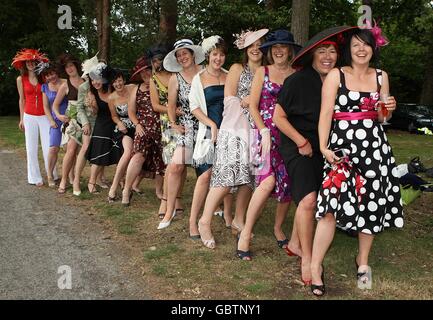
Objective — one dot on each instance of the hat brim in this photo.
(19, 64)
(300, 59)
(265, 47)
(170, 62)
(136, 75)
(254, 36)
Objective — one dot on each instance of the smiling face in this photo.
(185, 58)
(324, 59)
(280, 53)
(71, 69)
(360, 51)
(119, 84)
(254, 53)
(217, 57)
(97, 84)
(51, 77)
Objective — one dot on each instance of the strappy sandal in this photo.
(138, 191)
(179, 211)
(92, 189)
(321, 287)
(111, 199)
(364, 278)
(161, 215)
(283, 243)
(244, 255)
(126, 204)
(208, 243)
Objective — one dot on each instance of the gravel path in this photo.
(39, 234)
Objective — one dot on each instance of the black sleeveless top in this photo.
(72, 91)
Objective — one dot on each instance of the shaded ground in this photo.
(39, 233)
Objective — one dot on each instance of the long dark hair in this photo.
(105, 88)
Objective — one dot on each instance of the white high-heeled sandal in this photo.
(163, 225)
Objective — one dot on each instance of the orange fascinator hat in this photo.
(28, 55)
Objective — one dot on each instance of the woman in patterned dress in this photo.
(231, 167)
(125, 129)
(147, 147)
(271, 175)
(71, 67)
(361, 189)
(159, 99)
(184, 60)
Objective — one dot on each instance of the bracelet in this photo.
(264, 130)
(304, 144)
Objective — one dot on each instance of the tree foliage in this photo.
(135, 26)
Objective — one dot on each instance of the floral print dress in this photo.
(274, 164)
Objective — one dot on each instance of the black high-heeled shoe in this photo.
(321, 287)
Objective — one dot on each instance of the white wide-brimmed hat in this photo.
(170, 61)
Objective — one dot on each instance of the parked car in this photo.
(411, 116)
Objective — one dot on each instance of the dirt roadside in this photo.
(39, 233)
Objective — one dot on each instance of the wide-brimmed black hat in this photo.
(302, 56)
(160, 50)
(279, 36)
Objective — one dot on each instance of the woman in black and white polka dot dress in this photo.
(360, 190)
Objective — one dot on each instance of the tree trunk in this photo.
(106, 30)
(427, 89)
(300, 20)
(167, 21)
(98, 7)
(47, 18)
(103, 26)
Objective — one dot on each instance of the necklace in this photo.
(218, 76)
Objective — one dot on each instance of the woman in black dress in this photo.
(103, 150)
(297, 116)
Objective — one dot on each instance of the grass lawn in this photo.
(179, 268)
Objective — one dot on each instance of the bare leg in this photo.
(257, 203)
(80, 163)
(325, 231)
(121, 165)
(365, 242)
(68, 161)
(71, 174)
(94, 172)
(52, 160)
(242, 201)
(175, 171)
(134, 169)
(228, 204)
(198, 199)
(305, 225)
(159, 181)
(163, 206)
(213, 199)
(294, 245)
(137, 181)
(179, 205)
(280, 216)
